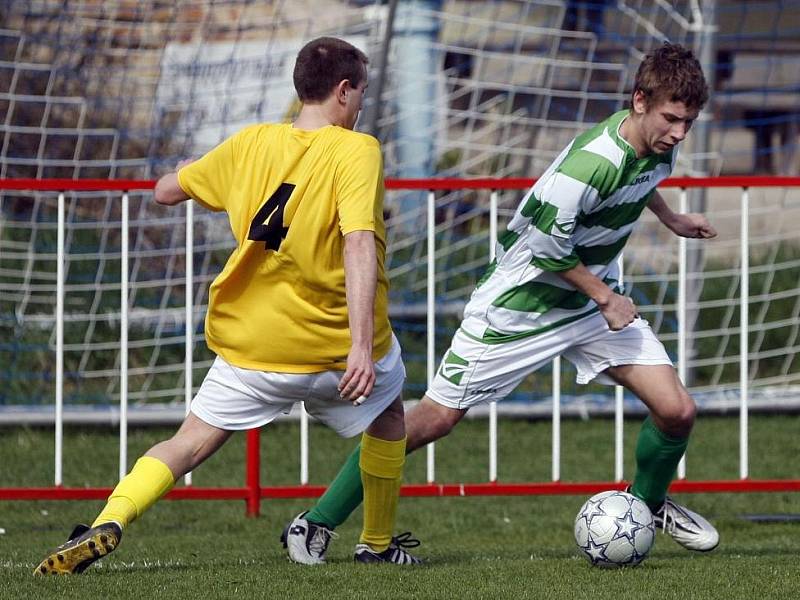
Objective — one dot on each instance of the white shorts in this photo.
(473, 372)
(233, 398)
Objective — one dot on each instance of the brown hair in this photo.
(324, 62)
(671, 73)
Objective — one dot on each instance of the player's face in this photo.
(664, 124)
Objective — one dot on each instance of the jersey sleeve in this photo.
(208, 180)
(359, 190)
(554, 209)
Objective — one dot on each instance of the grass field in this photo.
(491, 547)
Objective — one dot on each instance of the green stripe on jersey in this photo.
(615, 217)
(639, 171)
(490, 336)
(537, 297)
(593, 170)
(531, 206)
(507, 239)
(542, 214)
(600, 255)
(545, 217)
(555, 264)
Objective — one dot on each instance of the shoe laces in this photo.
(402, 541)
(670, 513)
(320, 538)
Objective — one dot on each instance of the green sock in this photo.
(657, 457)
(343, 495)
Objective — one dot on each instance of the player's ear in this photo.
(639, 102)
(342, 89)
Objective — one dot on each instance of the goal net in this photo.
(124, 88)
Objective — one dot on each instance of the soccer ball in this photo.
(614, 529)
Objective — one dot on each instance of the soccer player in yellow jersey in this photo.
(299, 313)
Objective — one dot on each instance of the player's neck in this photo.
(317, 116)
(630, 131)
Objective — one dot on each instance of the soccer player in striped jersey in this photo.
(300, 311)
(554, 291)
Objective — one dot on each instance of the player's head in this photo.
(329, 68)
(668, 93)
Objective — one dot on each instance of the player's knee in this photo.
(390, 424)
(395, 411)
(678, 416)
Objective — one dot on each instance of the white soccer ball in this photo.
(614, 529)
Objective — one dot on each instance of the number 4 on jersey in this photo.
(267, 225)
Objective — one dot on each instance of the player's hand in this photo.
(359, 378)
(692, 225)
(619, 312)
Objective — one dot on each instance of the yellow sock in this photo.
(381, 465)
(147, 482)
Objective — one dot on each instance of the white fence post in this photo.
(188, 361)
(60, 259)
(492, 405)
(743, 334)
(682, 358)
(619, 409)
(431, 324)
(556, 452)
(123, 343)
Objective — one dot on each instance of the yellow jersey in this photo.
(291, 195)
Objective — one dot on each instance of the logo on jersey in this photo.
(641, 179)
(453, 367)
(565, 227)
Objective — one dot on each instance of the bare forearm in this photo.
(661, 210)
(360, 272)
(689, 225)
(618, 311)
(583, 280)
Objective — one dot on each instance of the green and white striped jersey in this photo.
(582, 209)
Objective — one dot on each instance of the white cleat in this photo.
(686, 527)
(306, 542)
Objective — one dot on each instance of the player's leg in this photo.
(634, 358)
(427, 421)
(223, 404)
(155, 473)
(490, 371)
(664, 435)
(375, 472)
(152, 476)
(383, 450)
(662, 442)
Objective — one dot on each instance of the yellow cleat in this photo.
(85, 545)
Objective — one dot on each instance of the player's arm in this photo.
(619, 311)
(168, 191)
(561, 200)
(360, 277)
(689, 225)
